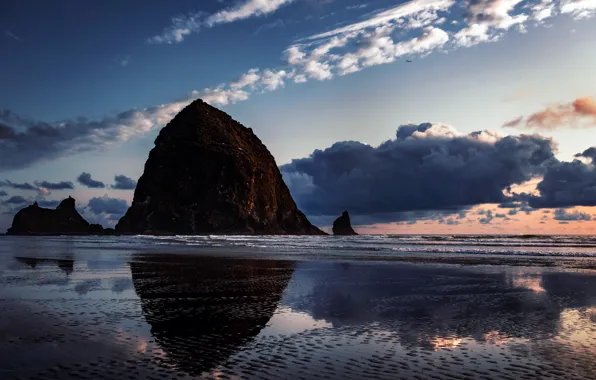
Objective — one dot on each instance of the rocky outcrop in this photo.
(208, 174)
(342, 225)
(64, 220)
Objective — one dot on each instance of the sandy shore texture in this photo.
(66, 313)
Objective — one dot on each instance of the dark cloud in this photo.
(3, 193)
(15, 200)
(448, 221)
(63, 185)
(566, 184)
(124, 183)
(19, 186)
(488, 217)
(588, 153)
(510, 205)
(426, 167)
(563, 214)
(86, 180)
(6, 132)
(24, 142)
(107, 205)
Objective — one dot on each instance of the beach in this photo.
(299, 308)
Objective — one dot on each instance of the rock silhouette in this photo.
(209, 174)
(64, 220)
(342, 225)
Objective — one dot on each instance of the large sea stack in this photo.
(342, 225)
(208, 174)
(64, 220)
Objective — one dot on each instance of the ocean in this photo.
(248, 307)
(369, 246)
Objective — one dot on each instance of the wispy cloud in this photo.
(357, 6)
(184, 25)
(38, 187)
(181, 27)
(8, 33)
(250, 8)
(579, 113)
(422, 8)
(279, 23)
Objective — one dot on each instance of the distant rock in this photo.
(64, 220)
(208, 174)
(342, 225)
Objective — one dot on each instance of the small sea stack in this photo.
(208, 174)
(64, 220)
(342, 225)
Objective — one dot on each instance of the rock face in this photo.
(208, 174)
(342, 225)
(64, 220)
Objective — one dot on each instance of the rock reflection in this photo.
(202, 310)
(66, 265)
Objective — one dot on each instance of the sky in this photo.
(422, 116)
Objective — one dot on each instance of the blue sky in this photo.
(304, 74)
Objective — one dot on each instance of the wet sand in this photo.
(67, 313)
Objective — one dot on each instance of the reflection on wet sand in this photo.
(408, 321)
(203, 317)
(201, 310)
(66, 265)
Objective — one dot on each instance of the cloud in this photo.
(63, 185)
(589, 153)
(513, 123)
(86, 180)
(182, 26)
(357, 6)
(487, 18)
(107, 205)
(3, 193)
(579, 9)
(9, 34)
(563, 214)
(579, 113)
(487, 218)
(426, 9)
(254, 79)
(567, 184)
(279, 23)
(15, 200)
(24, 142)
(426, 167)
(124, 183)
(222, 96)
(247, 9)
(18, 186)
